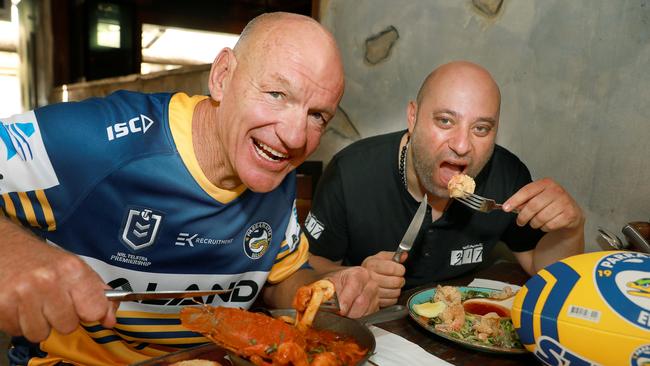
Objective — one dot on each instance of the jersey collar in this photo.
(181, 110)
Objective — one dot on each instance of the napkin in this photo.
(393, 350)
(497, 285)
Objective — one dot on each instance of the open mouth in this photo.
(448, 170)
(267, 152)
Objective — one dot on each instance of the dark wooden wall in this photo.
(75, 62)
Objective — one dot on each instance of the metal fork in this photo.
(480, 203)
(331, 305)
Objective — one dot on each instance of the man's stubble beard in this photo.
(425, 167)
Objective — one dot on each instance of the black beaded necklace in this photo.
(402, 162)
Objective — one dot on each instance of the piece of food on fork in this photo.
(308, 300)
(460, 186)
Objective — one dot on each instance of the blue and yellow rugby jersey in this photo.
(115, 180)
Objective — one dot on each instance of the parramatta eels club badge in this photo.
(140, 227)
(257, 240)
(623, 280)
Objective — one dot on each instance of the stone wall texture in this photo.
(573, 75)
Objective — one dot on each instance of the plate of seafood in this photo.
(474, 317)
(302, 335)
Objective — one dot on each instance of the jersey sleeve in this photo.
(27, 172)
(51, 157)
(326, 224)
(294, 251)
(521, 238)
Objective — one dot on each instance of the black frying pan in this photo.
(356, 328)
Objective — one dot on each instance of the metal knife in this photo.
(123, 295)
(412, 231)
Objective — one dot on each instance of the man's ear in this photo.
(221, 72)
(412, 115)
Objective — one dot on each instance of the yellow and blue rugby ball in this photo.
(589, 309)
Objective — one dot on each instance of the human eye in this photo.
(275, 94)
(482, 130)
(444, 122)
(318, 117)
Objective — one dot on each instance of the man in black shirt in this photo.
(370, 191)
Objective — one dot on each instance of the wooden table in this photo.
(447, 350)
(452, 352)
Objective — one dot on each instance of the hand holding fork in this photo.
(547, 206)
(481, 203)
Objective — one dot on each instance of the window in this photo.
(10, 103)
(165, 48)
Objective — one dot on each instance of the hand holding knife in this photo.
(412, 232)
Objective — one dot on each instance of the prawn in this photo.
(450, 295)
(453, 318)
(503, 294)
(487, 326)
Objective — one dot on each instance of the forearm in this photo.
(323, 266)
(18, 241)
(281, 294)
(557, 245)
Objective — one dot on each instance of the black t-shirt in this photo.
(361, 208)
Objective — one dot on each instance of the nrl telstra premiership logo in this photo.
(140, 227)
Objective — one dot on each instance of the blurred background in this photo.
(573, 74)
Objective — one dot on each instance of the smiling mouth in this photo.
(267, 152)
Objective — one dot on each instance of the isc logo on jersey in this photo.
(24, 162)
(138, 124)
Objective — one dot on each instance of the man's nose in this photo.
(460, 141)
(293, 129)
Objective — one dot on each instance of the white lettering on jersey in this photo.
(189, 239)
(469, 254)
(137, 260)
(185, 238)
(313, 226)
(24, 163)
(134, 125)
(242, 295)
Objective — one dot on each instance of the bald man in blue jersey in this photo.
(166, 192)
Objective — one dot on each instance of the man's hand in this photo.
(45, 288)
(545, 205)
(389, 276)
(356, 291)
